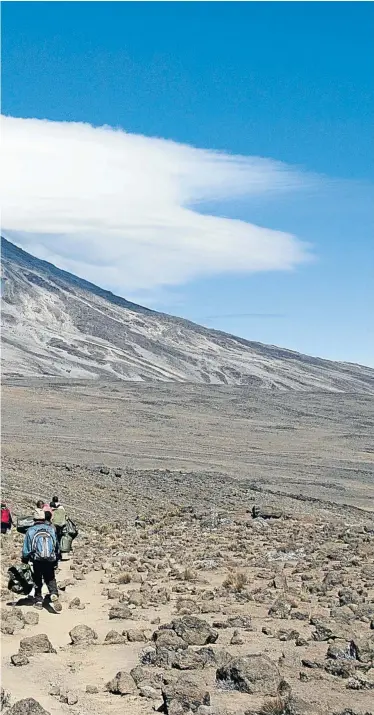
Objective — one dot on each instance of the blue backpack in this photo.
(43, 546)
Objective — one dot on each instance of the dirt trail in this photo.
(73, 667)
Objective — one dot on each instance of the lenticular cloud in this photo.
(122, 209)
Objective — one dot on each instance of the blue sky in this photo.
(290, 81)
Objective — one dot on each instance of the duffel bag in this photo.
(24, 523)
(21, 579)
(65, 543)
(70, 528)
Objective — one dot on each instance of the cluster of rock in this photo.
(230, 613)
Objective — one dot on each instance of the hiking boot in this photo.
(56, 603)
(38, 605)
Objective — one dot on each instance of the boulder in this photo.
(240, 622)
(253, 674)
(185, 695)
(82, 635)
(122, 684)
(36, 644)
(92, 689)
(363, 649)
(28, 706)
(167, 638)
(114, 638)
(19, 659)
(195, 631)
(121, 612)
(326, 628)
(135, 636)
(266, 511)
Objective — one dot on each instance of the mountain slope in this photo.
(55, 323)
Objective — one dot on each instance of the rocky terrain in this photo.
(57, 324)
(177, 599)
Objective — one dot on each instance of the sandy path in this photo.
(73, 667)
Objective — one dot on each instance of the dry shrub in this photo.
(235, 581)
(124, 577)
(279, 706)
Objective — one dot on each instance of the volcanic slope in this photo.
(57, 324)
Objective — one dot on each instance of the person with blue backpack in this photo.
(41, 547)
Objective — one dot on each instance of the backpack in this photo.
(5, 516)
(24, 523)
(43, 546)
(65, 543)
(20, 579)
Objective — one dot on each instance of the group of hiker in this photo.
(48, 533)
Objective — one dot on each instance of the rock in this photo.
(7, 629)
(281, 608)
(336, 653)
(326, 629)
(12, 620)
(340, 668)
(31, 618)
(146, 691)
(195, 631)
(19, 659)
(167, 638)
(36, 644)
(82, 635)
(55, 690)
(146, 677)
(236, 639)
(186, 695)
(363, 649)
(253, 674)
(204, 657)
(120, 612)
(135, 636)
(122, 684)
(76, 604)
(71, 698)
(5, 699)
(113, 637)
(287, 635)
(135, 598)
(266, 511)
(301, 641)
(240, 622)
(28, 706)
(92, 689)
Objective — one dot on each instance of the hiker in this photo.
(41, 547)
(6, 518)
(40, 504)
(58, 517)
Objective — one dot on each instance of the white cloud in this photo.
(122, 210)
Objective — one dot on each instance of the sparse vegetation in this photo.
(188, 574)
(278, 706)
(235, 581)
(124, 577)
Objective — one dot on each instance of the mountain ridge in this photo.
(57, 324)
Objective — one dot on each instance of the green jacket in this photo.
(59, 516)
